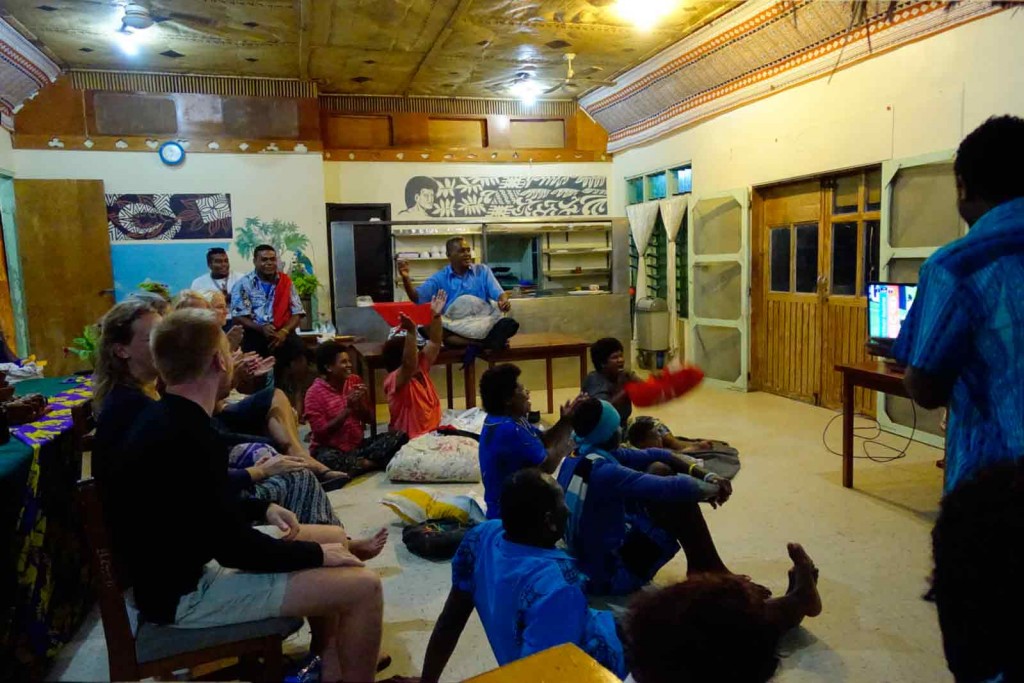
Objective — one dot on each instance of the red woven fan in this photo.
(663, 387)
(420, 313)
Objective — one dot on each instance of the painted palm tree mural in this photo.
(285, 237)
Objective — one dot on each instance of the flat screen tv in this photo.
(888, 306)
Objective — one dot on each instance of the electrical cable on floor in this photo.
(873, 439)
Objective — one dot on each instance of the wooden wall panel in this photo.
(845, 334)
(357, 132)
(792, 355)
(457, 132)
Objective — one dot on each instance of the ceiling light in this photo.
(128, 41)
(137, 16)
(644, 14)
(526, 91)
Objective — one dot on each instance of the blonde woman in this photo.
(125, 382)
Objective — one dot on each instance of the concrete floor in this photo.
(871, 545)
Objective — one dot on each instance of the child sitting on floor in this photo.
(337, 410)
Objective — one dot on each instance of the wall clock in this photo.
(172, 154)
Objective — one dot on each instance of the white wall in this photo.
(6, 153)
(286, 186)
(917, 99)
(379, 182)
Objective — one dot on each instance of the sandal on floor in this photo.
(335, 482)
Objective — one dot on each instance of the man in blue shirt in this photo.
(631, 510)
(267, 327)
(529, 594)
(963, 338)
(508, 443)
(460, 276)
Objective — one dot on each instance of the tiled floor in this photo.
(871, 545)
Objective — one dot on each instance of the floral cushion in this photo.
(436, 458)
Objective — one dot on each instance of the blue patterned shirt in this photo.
(478, 281)
(253, 297)
(531, 599)
(968, 321)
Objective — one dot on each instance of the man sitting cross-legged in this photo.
(631, 510)
(528, 593)
(186, 543)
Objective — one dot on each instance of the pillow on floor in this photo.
(417, 505)
(436, 458)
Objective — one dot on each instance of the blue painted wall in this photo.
(175, 264)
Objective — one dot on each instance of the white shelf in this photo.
(425, 258)
(572, 273)
(570, 251)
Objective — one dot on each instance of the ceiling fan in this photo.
(572, 83)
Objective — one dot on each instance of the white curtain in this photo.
(641, 222)
(673, 210)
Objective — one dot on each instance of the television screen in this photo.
(888, 305)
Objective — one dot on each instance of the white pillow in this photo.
(436, 458)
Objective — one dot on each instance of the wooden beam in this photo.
(437, 46)
(304, 11)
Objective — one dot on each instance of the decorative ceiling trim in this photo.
(24, 69)
(464, 106)
(758, 50)
(140, 81)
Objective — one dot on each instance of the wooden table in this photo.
(544, 346)
(560, 663)
(873, 375)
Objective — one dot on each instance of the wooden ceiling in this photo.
(456, 48)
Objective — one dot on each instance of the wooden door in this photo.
(816, 245)
(64, 252)
(851, 247)
(788, 323)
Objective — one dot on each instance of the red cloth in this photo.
(323, 402)
(420, 313)
(415, 407)
(661, 388)
(282, 300)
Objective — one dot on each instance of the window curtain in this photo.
(673, 210)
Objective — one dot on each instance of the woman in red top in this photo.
(337, 410)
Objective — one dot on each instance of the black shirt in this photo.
(167, 496)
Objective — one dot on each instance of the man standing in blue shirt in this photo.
(963, 338)
(528, 593)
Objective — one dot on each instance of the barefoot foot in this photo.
(368, 548)
(804, 580)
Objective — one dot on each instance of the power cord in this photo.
(876, 428)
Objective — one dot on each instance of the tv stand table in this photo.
(875, 375)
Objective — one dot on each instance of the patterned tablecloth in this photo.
(51, 592)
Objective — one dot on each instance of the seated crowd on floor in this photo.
(234, 523)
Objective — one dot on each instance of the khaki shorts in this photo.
(230, 596)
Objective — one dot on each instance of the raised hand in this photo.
(407, 323)
(569, 408)
(438, 302)
(403, 269)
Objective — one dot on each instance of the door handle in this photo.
(105, 292)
